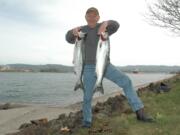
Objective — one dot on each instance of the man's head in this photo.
(92, 16)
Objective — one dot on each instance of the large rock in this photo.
(5, 106)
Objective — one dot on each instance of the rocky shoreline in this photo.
(7, 106)
(70, 123)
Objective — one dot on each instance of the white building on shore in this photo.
(5, 68)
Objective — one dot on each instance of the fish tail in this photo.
(79, 85)
(99, 88)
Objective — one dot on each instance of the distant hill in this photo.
(40, 68)
(151, 68)
(64, 69)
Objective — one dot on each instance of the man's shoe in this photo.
(141, 116)
(86, 124)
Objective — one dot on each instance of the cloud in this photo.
(17, 10)
(31, 12)
(33, 31)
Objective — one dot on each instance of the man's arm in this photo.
(72, 34)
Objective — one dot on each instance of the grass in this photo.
(164, 107)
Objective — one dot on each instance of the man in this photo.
(93, 30)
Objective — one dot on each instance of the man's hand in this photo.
(103, 27)
(75, 31)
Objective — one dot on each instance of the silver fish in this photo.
(78, 60)
(102, 55)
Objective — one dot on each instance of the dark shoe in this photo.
(141, 116)
(86, 124)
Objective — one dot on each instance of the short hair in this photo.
(92, 9)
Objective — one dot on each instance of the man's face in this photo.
(92, 19)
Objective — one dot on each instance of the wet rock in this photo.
(5, 106)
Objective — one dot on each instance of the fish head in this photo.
(104, 36)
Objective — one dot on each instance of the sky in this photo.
(33, 32)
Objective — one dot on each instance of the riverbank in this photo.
(11, 119)
(14, 115)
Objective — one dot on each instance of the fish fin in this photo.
(74, 72)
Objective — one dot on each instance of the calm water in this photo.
(54, 88)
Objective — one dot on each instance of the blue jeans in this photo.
(116, 76)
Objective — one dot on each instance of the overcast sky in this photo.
(33, 32)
